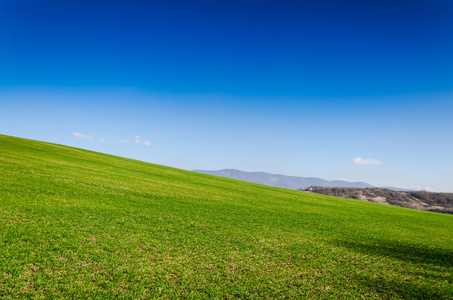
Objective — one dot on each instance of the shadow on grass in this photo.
(403, 251)
(389, 289)
(409, 284)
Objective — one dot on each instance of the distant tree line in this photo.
(441, 199)
(437, 202)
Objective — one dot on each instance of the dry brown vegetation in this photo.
(436, 202)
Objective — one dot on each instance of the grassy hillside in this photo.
(79, 224)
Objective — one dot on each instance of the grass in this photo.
(80, 224)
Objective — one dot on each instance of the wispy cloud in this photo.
(102, 141)
(82, 136)
(425, 188)
(366, 161)
(136, 140)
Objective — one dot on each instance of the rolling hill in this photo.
(81, 224)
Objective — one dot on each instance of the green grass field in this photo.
(80, 224)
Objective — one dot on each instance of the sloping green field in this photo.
(80, 224)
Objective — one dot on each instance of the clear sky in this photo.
(357, 90)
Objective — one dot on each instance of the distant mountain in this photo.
(283, 181)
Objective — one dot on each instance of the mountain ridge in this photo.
(280, 180)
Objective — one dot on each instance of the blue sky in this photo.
(359, 90)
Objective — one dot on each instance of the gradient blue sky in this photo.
(358, 90)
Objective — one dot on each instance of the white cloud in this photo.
(82, 136)
(102, 141)
(344, 179)
(366, 161)
(425, 188)
(136, 140)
